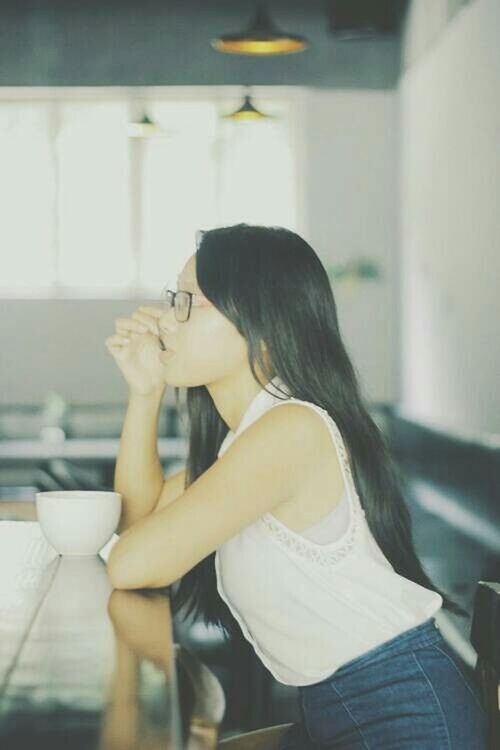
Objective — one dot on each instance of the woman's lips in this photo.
(163, 346)
(166, 354)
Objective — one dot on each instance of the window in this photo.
(93, 196)
(27, 195)
(88, 211)
(256, 173)
(178, 187)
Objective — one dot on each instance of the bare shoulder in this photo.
(306, 425)
(294, 435)
(288, 424)
(323, 478)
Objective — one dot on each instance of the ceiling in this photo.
(167, 42)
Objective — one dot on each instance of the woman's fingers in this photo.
(125, 326)
(156, 312)
(116, 340)
(150, 323)
(144, 319)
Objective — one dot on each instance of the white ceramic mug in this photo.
(78, 522)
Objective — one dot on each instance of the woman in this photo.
(289, 524)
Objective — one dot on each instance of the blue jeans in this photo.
(410, 693)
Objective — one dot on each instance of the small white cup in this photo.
(78, 522)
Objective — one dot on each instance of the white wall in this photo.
(347, 152)
(449, 104)
(58, 345)
(350, 176)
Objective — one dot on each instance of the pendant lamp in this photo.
(247, 111)
(261, 38)
(146, 128)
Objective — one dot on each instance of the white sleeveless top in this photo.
(309, 605)
(332, 526)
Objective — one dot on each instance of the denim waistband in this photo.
(425, 634)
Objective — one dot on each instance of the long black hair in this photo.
(272, 286)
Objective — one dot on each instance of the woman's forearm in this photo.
(138, 472)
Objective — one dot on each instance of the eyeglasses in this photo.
(182, 302)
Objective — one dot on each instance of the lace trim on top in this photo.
(323, 554)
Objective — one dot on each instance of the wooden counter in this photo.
(81, 665)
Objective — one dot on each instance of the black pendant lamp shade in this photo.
(261, 38)
(247, 111)
(142, 128)
(146, 128)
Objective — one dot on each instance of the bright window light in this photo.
(94, 211)
(88, 210)
(27, 193)
(256, 165)
(178, 187)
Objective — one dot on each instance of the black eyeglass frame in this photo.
(169, 298)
